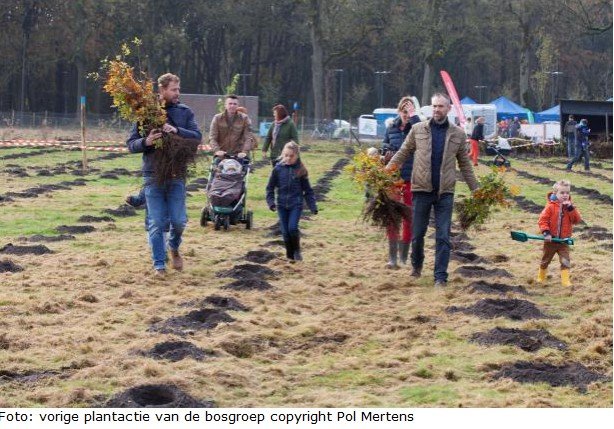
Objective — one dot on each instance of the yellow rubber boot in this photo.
(541, 275)
(565, 278)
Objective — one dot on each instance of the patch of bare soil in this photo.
(16, 171)
(6, 199)
(326, 342)
(89, 218)
(498, 258)
(527, 340)
(205, 318)
(259, 256)
(466, 257)
(569, 374)
(39, 249)
(595, 233)
(26, 377)
(7, 266)
(156, 396)
(527, 205)
(251, 283)
(75, 229)
(323, 185)
(498, 288)
(108, 175)
(227, 303)
(122, 211)
(177, 350)
(272, 243)
(247, 271)
(478, 271)
(274, 230)
(47, 238)
(515, 309)
(461, 245)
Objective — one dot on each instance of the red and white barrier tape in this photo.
(43, 143)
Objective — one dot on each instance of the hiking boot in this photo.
(289, 249)
(416, 272)
(176, 260)
(403, 252)
(392, 265)
(295, 239)
(440, 283)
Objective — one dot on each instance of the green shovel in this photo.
(523, 236)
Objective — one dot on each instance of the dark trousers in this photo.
(288, 221)
(442, 204)
(581, 152)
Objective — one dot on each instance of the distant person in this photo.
(556, 221)
(166, 208)
(289, 179)
(570, 135)
(396, 132)
(252, 142)
(229, 130)
(437, 146)
(477, 135)
(514, 128)
(582, 145)
(281, 132)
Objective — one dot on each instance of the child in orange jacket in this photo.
(556, 221)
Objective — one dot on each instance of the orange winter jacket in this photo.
(557, 219)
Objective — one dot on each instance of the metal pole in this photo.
(340, 94)
(83, 148)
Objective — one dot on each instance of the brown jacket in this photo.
(231, 137)
(418, 142)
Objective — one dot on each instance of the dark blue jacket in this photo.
(582, 133)
(179, 116)
(290, 189)
(393, 140)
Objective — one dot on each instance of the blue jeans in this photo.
(288, 221)
(571, 145)
(423, 201)
(165, 206)
(581, 152)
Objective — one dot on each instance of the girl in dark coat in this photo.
(289, 177)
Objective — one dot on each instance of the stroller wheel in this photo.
(218, 223)
(226, 223)
(204, 217)
(249, 220)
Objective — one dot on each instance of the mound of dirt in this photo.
(248, 284)
(206, 318)
(109, 176)
(515, 309)
(527, 340)
(327, 341)
(156, 396)
(88, 218)
(459, 245)
(225, 302)
(527, 205)
(466, 257)
(498, 288)
(478, 271)
(596, 233)
(122, 211)
(259, 256)
(22, 194)
(7, 266)
(247, 271)
(5, 199)
(272, 243)
(177, 350)
(47, 238)
(39, 249)
(247, 347)
(75, 229)
(570, 374)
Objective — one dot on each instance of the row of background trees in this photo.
(306, 50)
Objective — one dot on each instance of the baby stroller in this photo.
(500, 149)
(227, 194)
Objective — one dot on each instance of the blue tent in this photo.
(551, 114)
(508, 109)
(468, 100)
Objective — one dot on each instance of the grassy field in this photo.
(338, 330)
